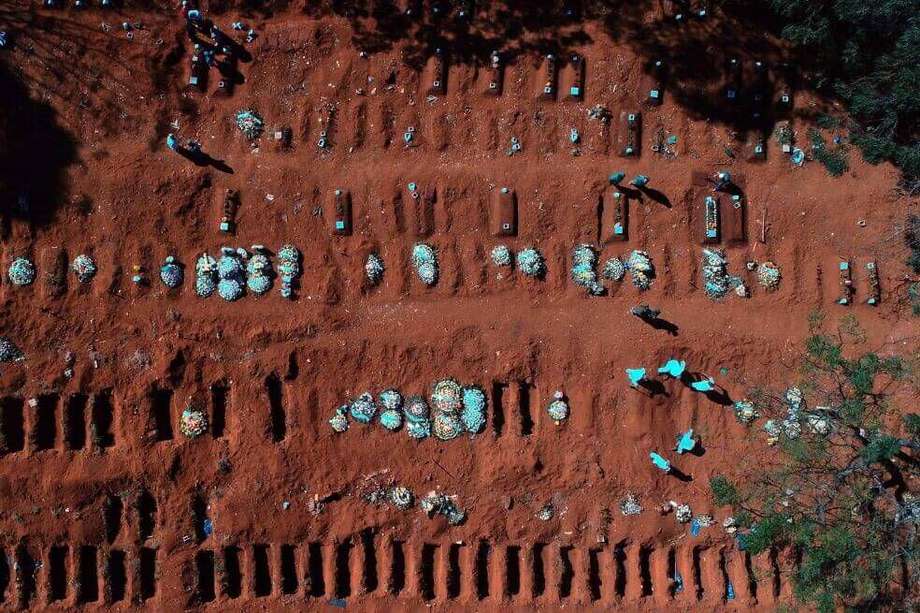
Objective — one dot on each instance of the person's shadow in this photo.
(653, 387)
(663, 324)
(656, 195)
(719, 396)
(680, 475)
(200, 158)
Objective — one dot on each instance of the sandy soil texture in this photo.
(105, 501)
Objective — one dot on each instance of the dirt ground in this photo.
(106, 503)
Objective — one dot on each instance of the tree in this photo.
(836, 482)
(868, 54)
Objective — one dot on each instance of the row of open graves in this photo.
(371, 566)
(368, 566)
(80, 422)
(123, 565)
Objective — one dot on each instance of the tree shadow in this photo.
(35, 152)
(514, 27)
(710, 65)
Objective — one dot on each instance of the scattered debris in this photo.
(434, 503)
(600, 113)
(546, 512)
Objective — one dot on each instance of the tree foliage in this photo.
(868, 53)
(836, 485)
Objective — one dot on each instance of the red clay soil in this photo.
(105, 498)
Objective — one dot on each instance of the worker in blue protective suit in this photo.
(673, 368)
(660, 462)
(704, 385)
(636, 375)
(685, 442)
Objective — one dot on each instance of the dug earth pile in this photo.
(171, 450)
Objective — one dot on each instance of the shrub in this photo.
(723, 492)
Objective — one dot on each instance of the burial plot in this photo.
(718, 210)
(503, 217)
(548, 77)
(575, 86)
(630, 133)
(614, 218)
(341, 212)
